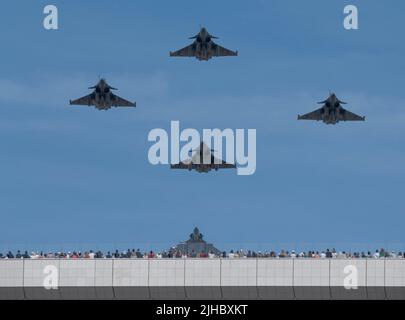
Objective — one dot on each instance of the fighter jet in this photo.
(331, 112)
(203, 48)
(203, 161)
(102, 98)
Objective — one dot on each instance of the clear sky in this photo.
(79, 175)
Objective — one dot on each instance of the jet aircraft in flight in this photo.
(102, 98)
(203, 161)
(331, 112)
(203, 48)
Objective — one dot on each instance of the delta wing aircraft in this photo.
(331, 112)
(203, 48)
(203, 161)
(102, 98)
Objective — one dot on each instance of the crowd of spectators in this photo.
(173, 253)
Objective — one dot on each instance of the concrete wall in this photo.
(375, 279)
(202, 279)
(275, 279)
(311, 279)
(166, 279)
(35, 272)
(11, 279)
(131, 278)
(239, 279)
(395, 279)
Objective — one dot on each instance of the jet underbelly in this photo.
(201, 51)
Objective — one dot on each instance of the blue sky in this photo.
(71, 175)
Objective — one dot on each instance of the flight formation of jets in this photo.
(204, 48)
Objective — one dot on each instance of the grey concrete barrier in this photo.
(202, 278)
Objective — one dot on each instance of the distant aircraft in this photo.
(331, 112)
(203, 48)
(102, 98)
(203, 161)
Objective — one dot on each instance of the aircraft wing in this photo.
(222, 163)
(181, 165)
(345, 115)
(188, 51)
(83, 101)
(225, 165)
(314, 115)
(120, 102)
(218, 51)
